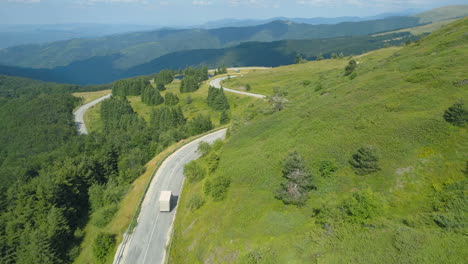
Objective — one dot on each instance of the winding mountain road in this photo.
(147, 243)
(216, 83)
(79, 114)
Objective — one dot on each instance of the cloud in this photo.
(201, 3)
(116, 1)
(21, 1)
(363, 3)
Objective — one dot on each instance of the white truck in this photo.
(165, 201)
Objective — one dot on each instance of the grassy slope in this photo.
(443, 13)
(381, 107)
(423, 29)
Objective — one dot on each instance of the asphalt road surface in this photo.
(147, 243)
(79, 114)
(216, 83)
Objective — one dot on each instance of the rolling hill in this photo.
(411, 209)
(141, 47)
(98, 70)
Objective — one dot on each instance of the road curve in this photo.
(147, 243)
(79, 114)
(216, 83)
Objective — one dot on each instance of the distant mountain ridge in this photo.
(141, 47)
(99, 70)
(312, 21)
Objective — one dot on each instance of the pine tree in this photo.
(224, 118)
(171, 99)
(457, 114)
(161, 87)
(350, 67)
(365, 161)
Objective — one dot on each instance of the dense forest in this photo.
(52, 179)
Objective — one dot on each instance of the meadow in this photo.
(416, 203)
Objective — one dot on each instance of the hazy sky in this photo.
(180, 12)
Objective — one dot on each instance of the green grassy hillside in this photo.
(413, 210)
(443, 13)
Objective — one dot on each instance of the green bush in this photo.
(104, 215)
(350, 67)
(261, 256)
(365, 160)
(362, 206)
(188, 99)
(204, 148)
(450, 206)
(161, 87)
(318, 87)
(194, 171)
(196, 202)
(327, 168)
(457, 114)
(212, 161)
(217, 145)
(306, 82)
(102, 246)
(218, 187)
(353, 75)
(171, 99)
(207, 187)
(248, 87)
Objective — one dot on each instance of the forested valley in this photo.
(52, 179)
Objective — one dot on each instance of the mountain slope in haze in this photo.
(269, 54)
(99, 70)
(412, 210)
(142, 47)
(14, 35)
(443, 13)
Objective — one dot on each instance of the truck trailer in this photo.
(165, 201)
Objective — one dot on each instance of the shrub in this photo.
(160, 87)
(217, 145)
(318, 87)
(196, 202)
(298, 181)
(102, 246)
(194, 171)
(353, 75)
(204, 148)
(171, 99)
(306, 82)
(219, 186)
(450, 205)
(188, 99)
(365, 161)
(456, 114)
(260, 256)
(248, 87)
(362, 206)
(350, 67)
(212, 161)
(207, 187)
(327, 168)
(104, 215)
